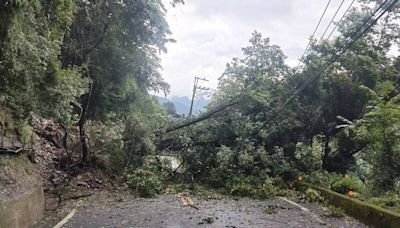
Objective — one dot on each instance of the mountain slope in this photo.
(182, 104)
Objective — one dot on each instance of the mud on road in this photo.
(167, 211)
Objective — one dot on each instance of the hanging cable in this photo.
(354, 35)
(330, 23)
(334, 58)
(313, 34)
(341, 19)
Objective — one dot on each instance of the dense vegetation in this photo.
(90, 64)
(340, 132)
(85, 61)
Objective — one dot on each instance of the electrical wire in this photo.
(313, 34)
(337, 56)
(341, 19)
(330, 23)
(354, 35)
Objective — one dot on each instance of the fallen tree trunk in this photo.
(203, 117)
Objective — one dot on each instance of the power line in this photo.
(313, 34)
(341, 19)
(334, 58)
(351, 43)
(333, 18)
(354, 35)
(351, 38)
(337, 56)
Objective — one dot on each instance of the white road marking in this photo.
(66, 219)
(294, 204)
(313, 216)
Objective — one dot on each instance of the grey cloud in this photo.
(210, 33)
(243, 9)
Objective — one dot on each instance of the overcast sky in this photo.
(210, 33)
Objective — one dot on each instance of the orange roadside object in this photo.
(300, 178)
(351, 194)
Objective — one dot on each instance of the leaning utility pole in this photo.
(195, 88)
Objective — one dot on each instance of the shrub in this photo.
(267, 190)
(324, 179)
(240, 186)
(145, 181)
(309, 156)
(311, 195)
(389, 201)
(348, 183)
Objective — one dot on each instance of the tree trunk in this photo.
(325, 159)
(83, 144)
(81, 124)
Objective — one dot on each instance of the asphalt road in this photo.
(168, 211)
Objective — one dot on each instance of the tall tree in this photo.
(116, 43)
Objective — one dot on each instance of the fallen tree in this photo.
(201, 118)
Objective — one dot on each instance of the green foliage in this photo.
(170, 108)
(309, 157)
(106, 141)
(253, 186)
(146, 181)
(380, 129)
(348, 183)
(311, 195)
(138, 140)
(268, 190)
(344, 123)
(117, 43)
(25, 132)
(65, 86)
(324, 179)
(96, 61)
(389, 201)
(32, 79)
(270, 210)
(240, 186)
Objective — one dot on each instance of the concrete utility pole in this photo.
(195, 88)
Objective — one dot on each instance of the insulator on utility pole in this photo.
(195, 88)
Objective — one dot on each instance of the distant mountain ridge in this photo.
(182, 104)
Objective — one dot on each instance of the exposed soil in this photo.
(91, 193)
(17, 177)
(167, 211)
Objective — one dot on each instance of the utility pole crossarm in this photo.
(195, 88)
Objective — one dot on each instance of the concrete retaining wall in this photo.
(367, 213)
(23, 211)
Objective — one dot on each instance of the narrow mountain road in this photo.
(167, 211)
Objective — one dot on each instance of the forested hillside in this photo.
(80, 62)
(334, 118)
(89, 66)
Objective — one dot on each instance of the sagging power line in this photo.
(341, 19)
(356, 36)
(313, 35)
(331, 22)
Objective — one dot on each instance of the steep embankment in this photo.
(21, 192)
